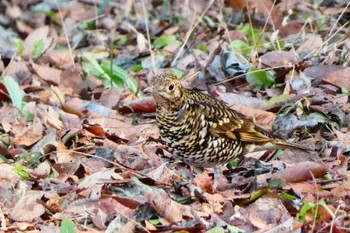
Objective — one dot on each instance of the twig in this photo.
(190, 32)
(65, 34)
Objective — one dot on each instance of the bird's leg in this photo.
(219, 180)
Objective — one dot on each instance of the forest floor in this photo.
(79, 147)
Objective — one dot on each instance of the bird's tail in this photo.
(290, 145)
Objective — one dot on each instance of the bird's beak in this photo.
(149, 89)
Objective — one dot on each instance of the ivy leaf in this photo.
(258, 78)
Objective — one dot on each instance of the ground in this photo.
(79, 147)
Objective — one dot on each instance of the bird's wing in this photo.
(225, 122)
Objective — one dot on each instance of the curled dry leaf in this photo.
(138, 192)
(138, 133)
(301, 172)
(145, 104)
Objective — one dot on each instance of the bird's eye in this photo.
(171, 87)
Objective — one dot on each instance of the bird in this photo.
(202, 131)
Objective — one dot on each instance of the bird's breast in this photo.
(186, 134)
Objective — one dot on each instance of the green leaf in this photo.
(119, 75)
(216, 230)
(344, 90)
(109, 73)
(154, 221)
(233, 229)
(240, 46)
(20, 172)
(328, 177)
(3, 158)
(178, 73)
(91, 66)
(123, 39)
(103, 7)
(136, 68)
(278, 99)
(255, 195)
(258, 78)
(202, 47)
(165, 40)
(289, 196)
(233, 163)
(67, 226)
(277, 183)
(304, 209)
(35, 159)
(29, 117)
(15, 92)
(19, 44)
(38, 47)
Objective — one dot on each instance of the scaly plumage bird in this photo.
(202, 131)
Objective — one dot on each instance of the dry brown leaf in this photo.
(59, 58)
(7, 173)
(145, 104)
(39, 34)
(137, 133)
(27, 208)
(204, 181)
(233, 99)
(50, 75)
(279, 59)
(265, 213)
(311, 44)
(94, 183)
(133, 157)
(110, 97)
(342, 190)
(163, 174)
(63, 155)
(74, 106)
(262, 118)
(43, 169)
(30, 135)
(339, 78)
(301, 172)
(137, 192)
(51, 119)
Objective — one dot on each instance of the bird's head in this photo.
(167, 91)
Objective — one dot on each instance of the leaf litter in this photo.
(79, 148)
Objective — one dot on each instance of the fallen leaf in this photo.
(266, 213)
(30, 135)
(301, 172)
(339, 78)
(39, 34)
(27, 209)
(279, 59)
(311, 44)
(262, 118)
(145, 104)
